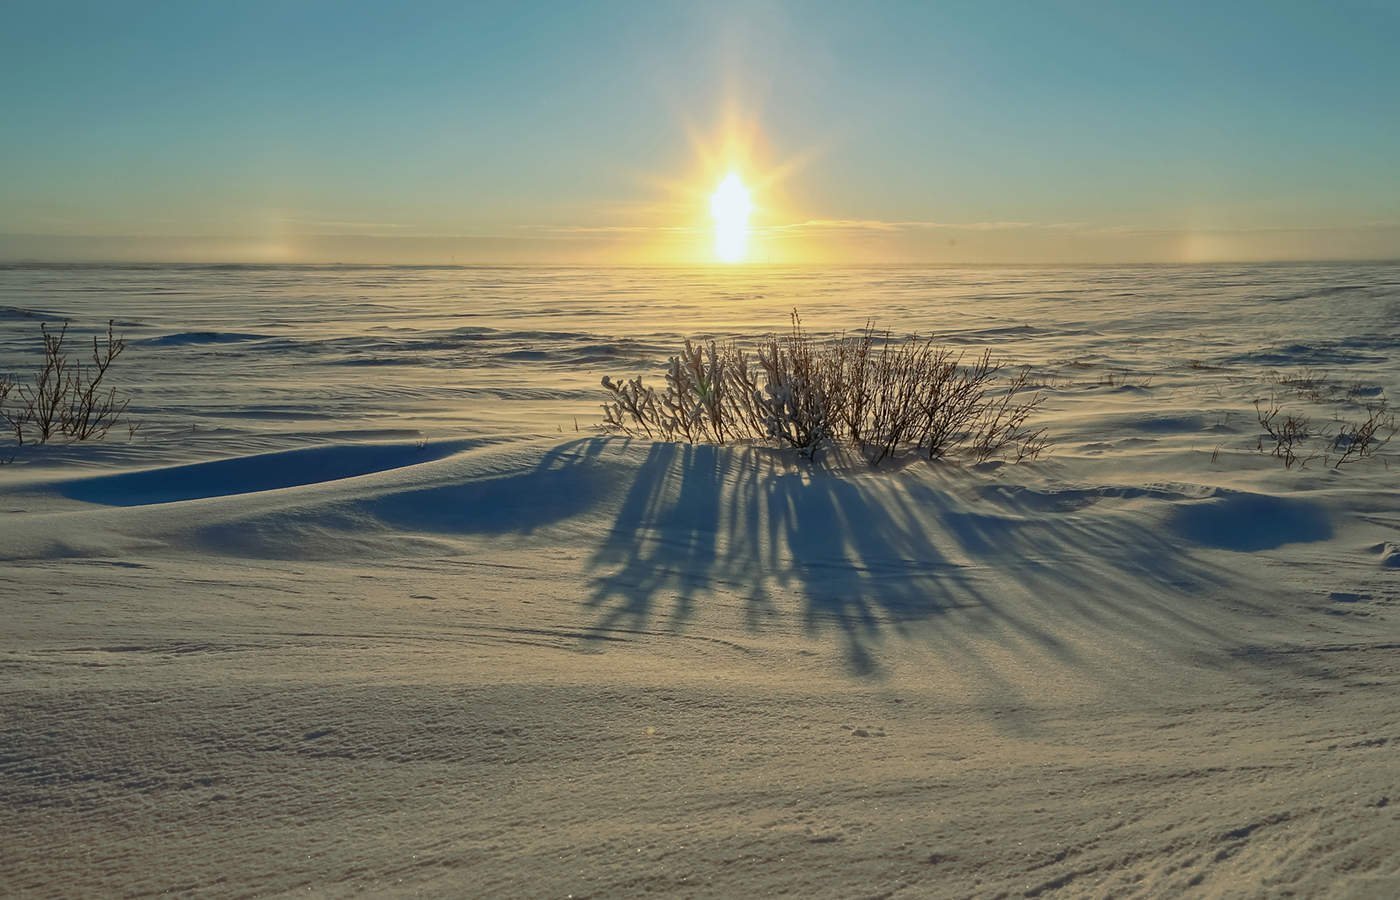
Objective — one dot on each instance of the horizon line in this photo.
(718, 266)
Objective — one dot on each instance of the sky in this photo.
(595, 132)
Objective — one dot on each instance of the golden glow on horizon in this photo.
(730, 206)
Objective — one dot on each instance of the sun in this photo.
(737, 178)
(730, 206)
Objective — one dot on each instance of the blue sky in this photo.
(591, 131)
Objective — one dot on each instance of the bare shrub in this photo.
(1002, 424)
(7, 386)
(67, 396)
(955, 399)
(42, 402)
(1125, 379)
(1364, 439)
(1292, 438)
(1308, 381)
(93, 409)
(891, 403)
(1287, 433)
(870, 391)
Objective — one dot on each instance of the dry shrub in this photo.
(1288, 436)
(67, 396)
(881, 395)
(1363, 439)
(1287, 433)
(1308, 381)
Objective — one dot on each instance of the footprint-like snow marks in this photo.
(1235, 520)
(250, 474)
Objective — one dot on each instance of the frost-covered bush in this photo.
(882, 395)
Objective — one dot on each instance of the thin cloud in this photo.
(851, 227)
(354, 226)
(611, 229)
(881, 226)
(1146, 231)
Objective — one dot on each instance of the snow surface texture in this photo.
(349, 613)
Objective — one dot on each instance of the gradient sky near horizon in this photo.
(434, 132)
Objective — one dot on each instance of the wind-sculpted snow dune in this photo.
(251, 474)
(619, 664)
(362, 612)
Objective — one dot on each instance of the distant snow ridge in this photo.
(184, 338)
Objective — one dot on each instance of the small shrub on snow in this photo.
(1365, 438)
(1287, 435)
(66, 397)
(881, 395)
(1307, 381)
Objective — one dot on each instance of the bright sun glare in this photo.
(730, 206)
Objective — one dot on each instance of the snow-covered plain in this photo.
(366, 604)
